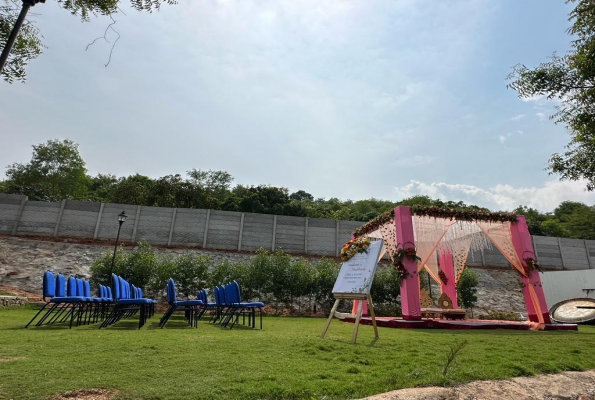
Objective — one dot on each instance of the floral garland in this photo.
(354, 246)
(443, 277)
(410, 253)
(531, 265)
(460, 214)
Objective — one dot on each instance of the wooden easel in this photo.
(358, 315)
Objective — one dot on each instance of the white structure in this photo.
(563, 285)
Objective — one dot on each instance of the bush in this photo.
(501, 316)
(467, 289)
(326, 275)
(137, 266)
(191, 273)
(101, 268)
(385, 291)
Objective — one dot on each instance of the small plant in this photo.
(467, 289)
(453, 352)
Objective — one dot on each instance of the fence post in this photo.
(241, 231)
(588, 255)
(561, 254)
(306, 237)
(274, 233)
(96, 233)
(57, 227)
(136, 220)
(534, 247)
(171, 228)
(204, 239)
(19, 215)
(337, 244)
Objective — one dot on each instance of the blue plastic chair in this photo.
(191, 307)
(128, 303)
(237, 307)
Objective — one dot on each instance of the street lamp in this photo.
(15, 30)
(121, 218)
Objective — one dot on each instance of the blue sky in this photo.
(347, 99)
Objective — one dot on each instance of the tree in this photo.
(467, 289)
(28, 45)
(56, 172)
(571, 80)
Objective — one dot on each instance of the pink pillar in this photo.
(447, 267)
(409, 286)
(364, 307)
(536, 306)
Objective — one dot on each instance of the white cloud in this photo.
(541, 116)
(503, 197)
(502, 138)
(518, 117)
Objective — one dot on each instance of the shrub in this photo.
(385, 290)
(101, 268)
(165, 269)
(501, 316)
(467, 289)
(326, 275)
(139, 265)
(190, 271)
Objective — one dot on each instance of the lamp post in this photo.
(121, 218)
(27, 4)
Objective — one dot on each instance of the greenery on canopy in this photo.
(570, 79)
(57, 171)
(29, 46)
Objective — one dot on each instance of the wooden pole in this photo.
(330, 318)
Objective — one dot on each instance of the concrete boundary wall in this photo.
(225, 230)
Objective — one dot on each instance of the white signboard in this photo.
(357, 273)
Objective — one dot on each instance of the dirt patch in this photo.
(33, 297)
(8, 358)
(564, 386)
(86, 394)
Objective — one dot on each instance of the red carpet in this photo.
(430, 323)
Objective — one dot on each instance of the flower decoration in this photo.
(460, 214)
(410, 253)
(531, 265)
(442, 277)
(354, 246)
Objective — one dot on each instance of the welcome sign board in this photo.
(357, 273)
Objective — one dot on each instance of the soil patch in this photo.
(86, 394)
(564, 386)
(8, 358)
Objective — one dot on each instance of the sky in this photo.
(348, 99)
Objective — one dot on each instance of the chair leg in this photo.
(38, 312)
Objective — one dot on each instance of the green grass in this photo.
(286, 360)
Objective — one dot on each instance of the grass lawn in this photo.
(286, 360)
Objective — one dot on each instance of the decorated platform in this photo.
(433, 323)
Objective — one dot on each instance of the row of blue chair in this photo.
(128, 301)
(71, 299)
(229, 304)
(192, 308)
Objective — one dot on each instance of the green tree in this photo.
(56, 172)
(571, 80)
(134, 189)
(467, 289)
(28, 45)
